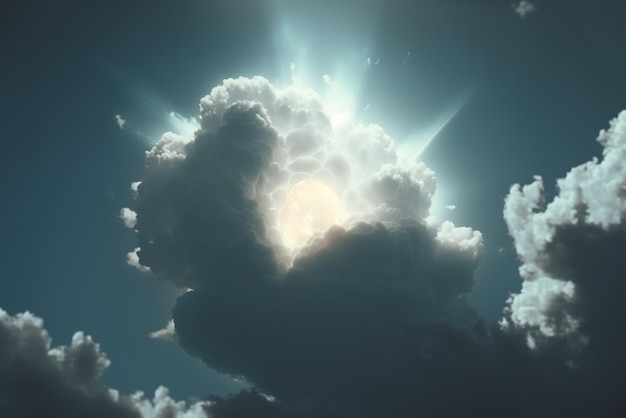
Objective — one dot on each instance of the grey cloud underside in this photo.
(340, 322)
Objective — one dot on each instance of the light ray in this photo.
(413, 147)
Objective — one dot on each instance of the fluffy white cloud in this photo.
(129, 217)
(256, 141)
(132, 259)
(64, 381)
(590, 208)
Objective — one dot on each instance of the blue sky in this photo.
(538, 89)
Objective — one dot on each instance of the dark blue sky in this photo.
(544, 85)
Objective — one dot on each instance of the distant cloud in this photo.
(327, 79)
(450, 207)
(38, 380)
(523, 8)
(120, 122)
(166, 333)
(406, 58)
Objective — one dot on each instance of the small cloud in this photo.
(166, 333)
(129, 217)
(132, 259)
(134, 187)
(523, 8)
(327, 79)
(120, 121)
(450, 207)
(500, 250)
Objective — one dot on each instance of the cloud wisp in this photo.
(120, 121)
(523, 8)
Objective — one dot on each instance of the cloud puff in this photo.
(120, 121)
(232, 177)
(523, 8)
(64, 381)
(129, 217)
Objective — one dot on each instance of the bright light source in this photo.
(311, 206)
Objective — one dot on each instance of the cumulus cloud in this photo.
(165, 333)
(569, 248)
(523, 8)
(132, 259)
(368, 313)
(64, 381)
(120, 121)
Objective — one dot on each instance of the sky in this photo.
(473, 151)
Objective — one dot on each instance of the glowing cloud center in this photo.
(311, 206)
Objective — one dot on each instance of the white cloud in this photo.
(120, 122)
(129, 218)
(523, 8)
(166, 333)
(591, 195)
(327, 79)
(450, 207)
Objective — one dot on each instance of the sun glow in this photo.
(311, 206)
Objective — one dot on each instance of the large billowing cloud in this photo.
(64, 381)
(368, 317)
(347, 312)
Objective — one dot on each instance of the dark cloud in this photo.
(39, 381)
(356, 312)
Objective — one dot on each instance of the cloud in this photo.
(327, 79)
(571, 263)
(166, 333)
(132, 259)
(523, 8)
(120, 122)
(64, 381)
(369, 317)
(129, 217)
(450, 207)
(207, 218)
